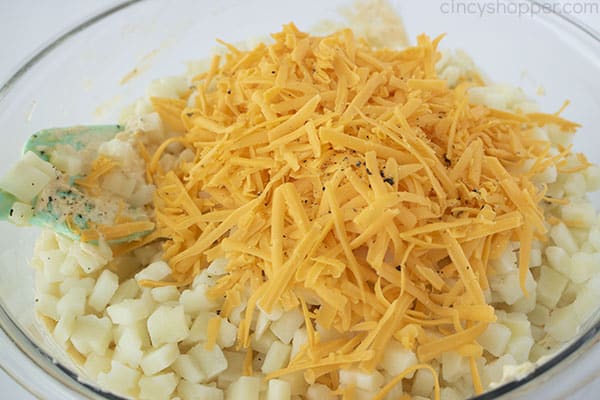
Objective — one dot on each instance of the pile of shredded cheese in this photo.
(354, 184)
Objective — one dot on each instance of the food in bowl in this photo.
(333, 220)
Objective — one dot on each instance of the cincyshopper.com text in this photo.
(520, 8)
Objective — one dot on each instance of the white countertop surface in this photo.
(27, 25)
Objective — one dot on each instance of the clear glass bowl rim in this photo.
(69, 379)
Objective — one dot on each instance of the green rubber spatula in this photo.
(36, 192)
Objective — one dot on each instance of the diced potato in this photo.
(227, 334)
(245, 388)
(90, 256)
(278, 389)
(492, 372)
(362, 380)
(188, 369)
(396, 359)
(212, 362)
(575, 186)
(297, 382)
(20, 213)
(592, 178)
(24, 180)
(128, 311)
(519, 347)
(167, 325)
(263, 344)
(277, 357)
(53, 261)
(170, 87)
(165, 294)
(551, 285)
(104, 289)
(563, 324)
(218, 267)
(317, 391)
(91, 334)
(563, 238)
(158, 359)
(95, 364)
(154, 272)
(64, 328)
(196, 300)
(594, 237)
(198, 330)
(495, 338)
(508, 286)
(72, 303)
(45, 304)
(423, 383)
(157, 387)
(262, 324)
(195, 391)
(507, 261)
(583, 266)
(300, 339)
(578, 213)
(235, 362)
(118, 184)
(126, 290)
(129, 346)
(86, 284)
(285, 327)
(586, 303)
(540, 315)
(120, 379)
(454, 366)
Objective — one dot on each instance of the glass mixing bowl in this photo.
(76, 79)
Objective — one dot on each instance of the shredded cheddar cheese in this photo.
(355, 185)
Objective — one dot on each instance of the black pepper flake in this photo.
(323, 188)
(218, 312)
(369, 172)
(389, 180)
(272, 72)
(358, 163)
(229, 92)
(381, 174)
(398, 267)
(11, 212)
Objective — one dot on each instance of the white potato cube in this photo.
(64, 328)
(454, 366)
(300, 339)
(170, 87)
(45, 304)
(212, 362)
(362, 380)
(128, 311)
(91, 256)
(167, 325)
(277, 357)
(106, 286)
(24, 181)
(218, 267)
(519, 347)
(584, 266)
(559, 259)
(540, 315)
(508, 286)
(195, 391)
(492, 372)
(86, 284)
(165, 294)
(396, 359)
(563, 238)
(551, 285)
(592, 178)
(92, 334)
(317, 391)
(157, 387)
(297, 383)
(586, 303)
(227, 334)
(20, 213)
(495, 338)
(120, 379)
(285, 327)
(126, 290)
(188, 369)
(245, 388)
(118, 183)
(129, 347)
(563, 324)
(594, 237)
(263, 344)
(262, 324)
(578, 213)
(278, 389)
(72, 303)
(95, 364)
(235, 362)
(154, 272)
(507, 261)
(196, 300)
(198, 330)
(158, 359)
(53, 261)
(423, 383)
